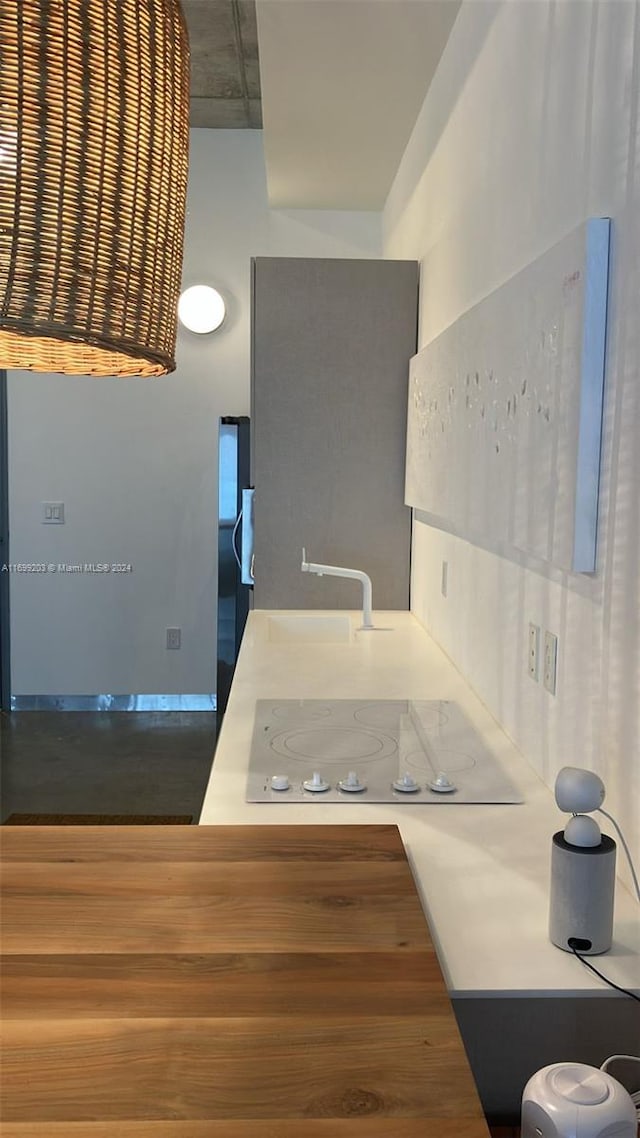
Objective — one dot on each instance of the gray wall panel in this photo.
(331, 346)
(509, 1038)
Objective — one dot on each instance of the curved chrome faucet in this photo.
(338, 571)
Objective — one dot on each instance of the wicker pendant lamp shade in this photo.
(94, 117)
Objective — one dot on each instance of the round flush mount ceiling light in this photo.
(201, 309)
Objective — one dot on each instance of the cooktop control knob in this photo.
(279, 782)
(442, 784)
(352, 783)
(316, 783)
(406, 784)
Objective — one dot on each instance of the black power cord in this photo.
(574, 943)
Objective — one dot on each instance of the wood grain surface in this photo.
(251, 982)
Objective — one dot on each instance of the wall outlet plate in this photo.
(533, 652)
(174, 636)
(550, 662)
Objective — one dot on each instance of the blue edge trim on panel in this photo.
(145, 702)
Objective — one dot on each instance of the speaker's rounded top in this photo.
(581, 830)
(606, 846)
(578, 1101)
(580, 1084)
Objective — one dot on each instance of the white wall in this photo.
(532, 125)
(135, 461)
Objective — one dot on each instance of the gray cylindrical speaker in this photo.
(582, 892)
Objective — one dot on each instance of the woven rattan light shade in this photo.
(94, 118)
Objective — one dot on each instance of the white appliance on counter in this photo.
(346, 750)
(573, 1100)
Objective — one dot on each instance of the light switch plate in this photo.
(53, 513)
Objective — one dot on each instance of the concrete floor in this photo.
(105, 762)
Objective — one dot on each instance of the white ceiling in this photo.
(342, 83)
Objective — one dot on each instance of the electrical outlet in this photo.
(550, 662)
(444, 580)
(173, 637)
(534, 651)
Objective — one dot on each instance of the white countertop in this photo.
(482, 870)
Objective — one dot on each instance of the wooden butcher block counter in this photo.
(223, 982)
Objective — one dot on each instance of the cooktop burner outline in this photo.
(350, 744)
(436, 716)
(300, 710)
(449, 761)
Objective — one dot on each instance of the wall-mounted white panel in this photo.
(505, 409)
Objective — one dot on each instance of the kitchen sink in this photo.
(309, 629)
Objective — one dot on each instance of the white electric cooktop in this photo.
(349, 750)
